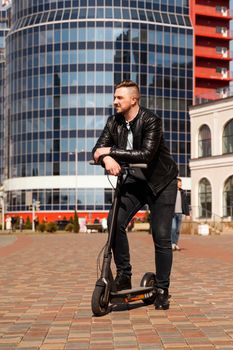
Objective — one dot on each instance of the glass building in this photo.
(5, 20)
(2, 84)
(63, 59)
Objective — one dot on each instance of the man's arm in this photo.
(104, 151)
(105, 140)
(102, 148)
(151, 140)
(111, 166)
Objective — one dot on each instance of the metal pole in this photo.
(3, 214)
(33, 216)
(76, 173)
(2, 205)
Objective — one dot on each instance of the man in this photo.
(21, 222)
(134, 135)
(13, 222)
(181, 207)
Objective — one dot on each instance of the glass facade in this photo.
(5, 21)
(205, 198)
(228, 198)
(204, 141)
(228, 137)
(2, 83)
(63, 60)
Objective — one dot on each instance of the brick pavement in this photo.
(46, 283)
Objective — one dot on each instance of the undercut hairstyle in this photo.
(129, 84)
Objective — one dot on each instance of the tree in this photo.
(76, 223)
(28, 224)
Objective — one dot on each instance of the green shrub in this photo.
(51, 227)
(28, 224)
(42, 227)
(69, 227)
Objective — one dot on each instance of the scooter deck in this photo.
(134, 294)
(132, 291)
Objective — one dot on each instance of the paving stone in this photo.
(46, 284)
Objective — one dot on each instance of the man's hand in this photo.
(100, 152)
(111, 166)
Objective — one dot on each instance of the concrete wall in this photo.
(217, 168)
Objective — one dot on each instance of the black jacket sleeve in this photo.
(148, 129)
(105, 139)
(151, 135)
(185, 205)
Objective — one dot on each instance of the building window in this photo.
(228, 197)
(204, 141)
(205, 201)
(222, 10)
(221, 70)
(222, 30)
(227, 138)
(221, 49)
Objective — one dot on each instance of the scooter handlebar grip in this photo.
(131, 165)
(137, 165)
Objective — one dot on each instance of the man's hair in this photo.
(179, 179)
(129, 84)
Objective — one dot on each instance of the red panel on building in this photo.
(212, 56)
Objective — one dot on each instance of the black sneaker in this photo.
(161, 299)
(122, 282)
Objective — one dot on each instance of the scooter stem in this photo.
(112, 226)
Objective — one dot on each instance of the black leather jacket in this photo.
(184, 203)
(148, 146)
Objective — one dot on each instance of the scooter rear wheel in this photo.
(148, 280)
(99, 307)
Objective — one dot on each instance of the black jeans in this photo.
(134, 195)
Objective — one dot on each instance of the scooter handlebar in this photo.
(136, 165)
(125, 165)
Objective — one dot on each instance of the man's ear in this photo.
(133, 100)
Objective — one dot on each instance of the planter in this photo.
(203, 229)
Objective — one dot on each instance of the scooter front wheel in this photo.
(148, 280)
(99, 306)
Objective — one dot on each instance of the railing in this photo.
(211, 73)
(210, 31)
(211, 52)
(229, 212)
(214, 95)
(206, 216)
(212, 11)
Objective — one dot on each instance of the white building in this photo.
(211, 161)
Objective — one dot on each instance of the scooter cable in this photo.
(110, 182)
(98, 267)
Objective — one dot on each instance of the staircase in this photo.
(215, 227)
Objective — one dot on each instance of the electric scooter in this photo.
(105, 291)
